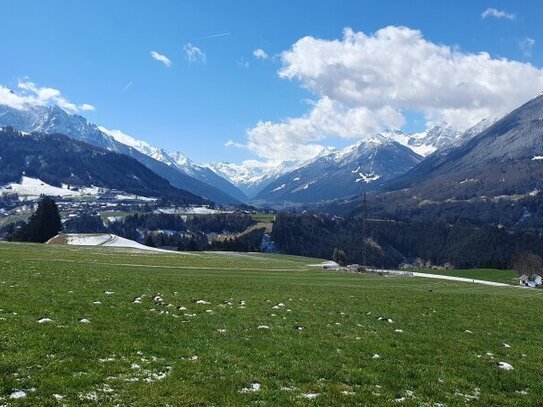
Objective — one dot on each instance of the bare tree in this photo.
(529, 264)
(339, 257)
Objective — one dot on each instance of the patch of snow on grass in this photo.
(252, 389)
(17, 394)
(44, 320)
(310, 396)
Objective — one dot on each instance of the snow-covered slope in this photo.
(103, 240)
(33, 188)
(178, 161)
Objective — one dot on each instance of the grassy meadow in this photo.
(89, 326)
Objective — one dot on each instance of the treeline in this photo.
(390, 243)
(520, 213)
(175, 231)
(248, 242)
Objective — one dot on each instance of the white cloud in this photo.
(231, 143)
(260, 53)
(161, 58)
(87, 108)
(32, 94)
(526, 46)
(295, 138)
(244, 64)
(362, 84)
(193, 53)
(492, 12)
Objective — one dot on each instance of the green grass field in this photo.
(257, 329)
(499, 276)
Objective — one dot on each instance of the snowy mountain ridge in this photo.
(52, 119)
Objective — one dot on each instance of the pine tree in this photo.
(42, 225)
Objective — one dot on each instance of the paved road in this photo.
(465, 280)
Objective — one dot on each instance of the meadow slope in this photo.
(87, 326)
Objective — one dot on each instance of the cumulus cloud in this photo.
(526, 46)
(161, 58)
(32, 94)
(362, 83)
(260, 53)
(295, 138)
(193, 53)
(492, 12)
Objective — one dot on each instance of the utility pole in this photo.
(364, 232)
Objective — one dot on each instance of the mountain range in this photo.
(367, 165)
(60, 161)
(54, 120)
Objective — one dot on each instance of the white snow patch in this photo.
(310, 396)
(252, 389)
(44, 320)
(17, 394)
(505, 366)
(132, 197)
(263, 327)
(33, 188)
(108, 240)
(367, 178)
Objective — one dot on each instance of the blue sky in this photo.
(91, 51)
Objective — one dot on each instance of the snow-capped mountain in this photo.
(54, 120)
(360, 167)
(502, 160)
(435, 137)
(51, 120)
(178, 161)
(252, 176)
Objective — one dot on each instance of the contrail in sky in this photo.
(127, 86)
(215, 36)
